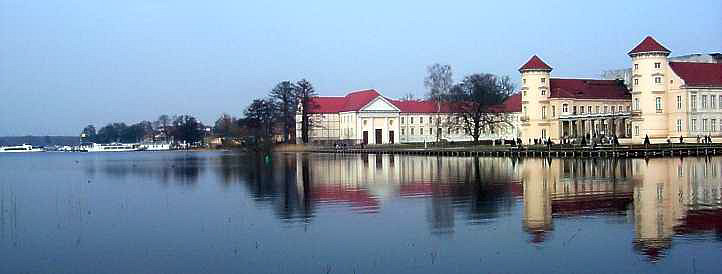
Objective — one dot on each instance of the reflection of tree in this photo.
(271, 179)
(181, 168)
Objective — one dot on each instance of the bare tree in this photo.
(408, 97)
(475, 103)
(438, 81)
(283, 92)
(261, 115)
(304, 94)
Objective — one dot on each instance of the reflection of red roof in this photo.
(588, 89)
(359, 199)
(701, 220)
(596, 203)
(535, 63)
(648, 45)
(698, 74)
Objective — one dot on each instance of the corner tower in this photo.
(650, 104)
(535, 118)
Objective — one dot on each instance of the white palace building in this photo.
(661, 97)
(367, 117)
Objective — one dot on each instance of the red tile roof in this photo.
(588, 89)
(354, 101)
(351, 102)
(535, 63)
(698, 74)
(649, 45)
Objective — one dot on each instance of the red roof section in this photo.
(649, 45)
(351, 102)
(535, 63)
(588, 89)
(354, 101)
(698, 74)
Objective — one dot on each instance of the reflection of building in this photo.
(477, 187)
(368, 117)
(665, 196)
(571, 187)
(667, 192)
(667, 97)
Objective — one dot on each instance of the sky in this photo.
(66, 64)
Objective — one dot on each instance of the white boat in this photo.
(22, 148)
(113, 147)
(155, 146)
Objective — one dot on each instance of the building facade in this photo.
(664, 98)
(367, 117)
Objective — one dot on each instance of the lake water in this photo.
(210, 212)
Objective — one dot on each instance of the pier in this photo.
(557, 151)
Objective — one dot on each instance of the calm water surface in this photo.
(210, 212)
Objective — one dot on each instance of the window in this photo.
(657, 80)
(704, 101)
(589, 109)
(544, 133)
(614, 109)
(412, 131)
(620, 108)
(581, 109)
(606, 109)
(565, 108)
(679, 102)
(693, 101)
(597, 109)
(712, 102)
(525, 110)
(421, 120)
(544, 92)
(431, 131)
(543, 80)
(403, 132)
(679, 125)
(421, 131)
(658, 104)
(412, 121)
(636, 103)
(523, 81)
(657, 65)
(544, 112)
(430, 120)
(704, 125)
(636, 130)
(391, 122)
(713, 125)
(636, 81)
(720, 102)
(694, 124)
(525, 92)
(574, 109)
(636, 66)
(554, 111)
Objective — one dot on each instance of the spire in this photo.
(649, 45)
(535, 63)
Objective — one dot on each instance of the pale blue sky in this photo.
(65, 64)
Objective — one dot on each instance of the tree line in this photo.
(178, 128)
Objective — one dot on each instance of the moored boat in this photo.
(22, 148)
(113, 147)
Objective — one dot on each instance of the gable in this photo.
(379, 104)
